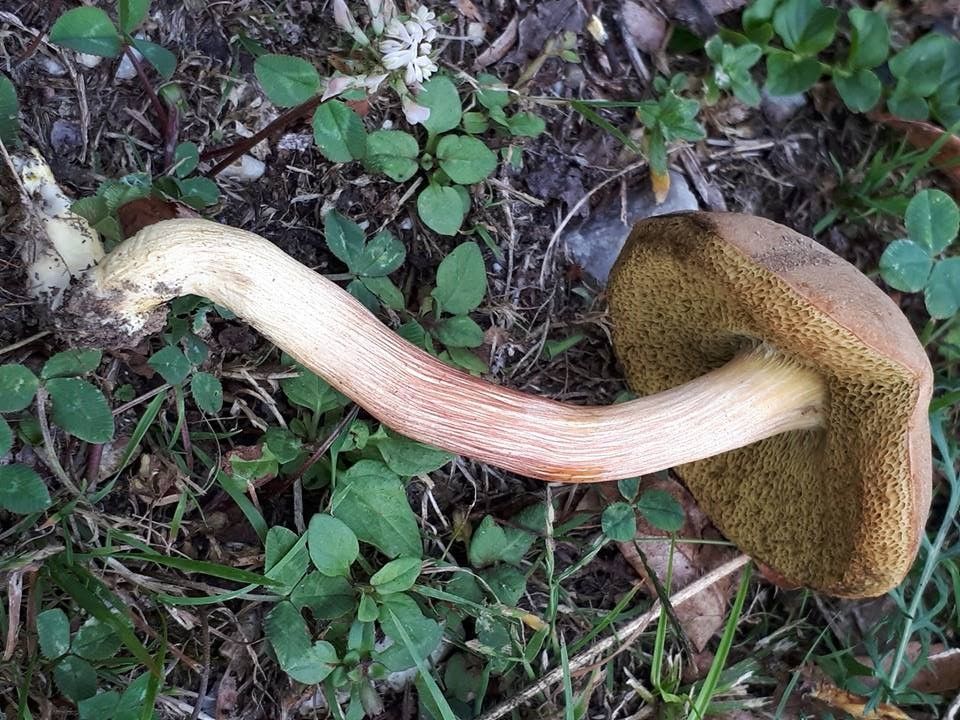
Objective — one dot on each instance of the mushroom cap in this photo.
(839, 509)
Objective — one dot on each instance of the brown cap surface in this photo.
(839, 509)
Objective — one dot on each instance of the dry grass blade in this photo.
(623, 636)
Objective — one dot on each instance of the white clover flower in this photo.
(407, 46)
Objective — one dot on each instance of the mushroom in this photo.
(788, 388)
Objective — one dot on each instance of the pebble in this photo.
(246, 168)
(65, 136)
(52, 67)
(778, 109)
(126, 70)
(595, 244)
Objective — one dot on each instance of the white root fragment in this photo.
(67, 246)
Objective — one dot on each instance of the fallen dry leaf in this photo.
(854, 705)
(647, 28)
(469, 10)
(922, 135)
(661, 185)
(499, 47)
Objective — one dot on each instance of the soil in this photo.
(91, 127)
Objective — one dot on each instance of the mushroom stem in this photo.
(754, 396)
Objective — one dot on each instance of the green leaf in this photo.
(506, 582)
(371, 500)
(905, 265)
(198, 192)
(9, 112)
(805, 26)
(53, 632)
(492, 92)
(304, 661)
(162, 59)
(859, 91)
(461, 280)
(475, 123)
(132, 13)
(76, 678)
(555, 348)
(100, 706)
(286, 80)
(339, 132)
(96, 640)
(327, 597)
(466, 160)
(619, 522)
(87, 30)
(381, 256)
(459, 331)
(526, 124)
(441, 209)
(869, 39)
(629, 487)
(280, 543)
(401, 617)
(465, 359)
(284, 445)
(194, 348)
(81, 409)
(21, 490)
(396, 576)
(171, 363)
(367, 610)
(485, 543)
(186, 157)
(385, 291)
(394, 153)
(921, 64)
(932, 220)
(311, 391)
(6, 437)
(787, 74)
(344, 238)
(441, 96)
(904, 103)
(942, 294)
(661, 509)
(758, 14)
(491, 543)
(70, 363)
(333, 545)
(407, 457)
(207, 392)
(17, 387)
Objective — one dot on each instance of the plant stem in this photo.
(147, 86)
(232, 152)
(754, 396)
(49, 454)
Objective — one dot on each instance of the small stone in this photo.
(126, 70)
(52, 67)
(778, 109)
(87, 60)
(647, 28)
(246, 168)
(597, 242)
(65, 136)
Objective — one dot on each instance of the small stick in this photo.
(234, 151)
(145, 81)
(626, 634)
(26, 341)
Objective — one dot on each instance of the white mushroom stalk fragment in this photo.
(67, 245)
(754, 396)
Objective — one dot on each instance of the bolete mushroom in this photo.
(788, 388)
